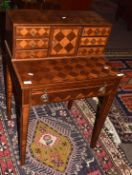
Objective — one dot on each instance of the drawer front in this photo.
(66, 95)
(32, 31)
(31, 43)
(30, 54)
(64, 41)
(93, 41)
(96, 31)
(86, 51)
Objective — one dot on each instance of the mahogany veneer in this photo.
(49, 60)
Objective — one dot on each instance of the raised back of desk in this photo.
(33, 34)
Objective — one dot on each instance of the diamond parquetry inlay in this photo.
(64, 41)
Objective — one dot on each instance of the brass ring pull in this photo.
(45, 97)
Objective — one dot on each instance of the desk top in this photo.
(52, 17)
(64, 70)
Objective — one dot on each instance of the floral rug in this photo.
(56, 146)
(59, 127)
(124, 95)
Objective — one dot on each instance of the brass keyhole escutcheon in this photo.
(45, 97)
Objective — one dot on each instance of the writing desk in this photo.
(44, 81)
(54, 58)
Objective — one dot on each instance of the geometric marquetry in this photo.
(93, 41)
(30, 54)
(96, 31)
(64, 41)
(57, 34)
(31, 43)
(84, 51)
(28, 31)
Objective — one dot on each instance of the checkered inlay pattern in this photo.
(96, 31)
(32, 31)
(31, 43)
(26, 54)
(83, 51)
(64, 41)
(65, 70)
(87, 41)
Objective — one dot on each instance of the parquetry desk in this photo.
(54, 58)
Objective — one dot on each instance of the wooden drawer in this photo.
(30, 54)
(31, 43)
(32, 31)
(87, 51)
(96, 31)
(43, 96)
(64, 40)
(93, 41)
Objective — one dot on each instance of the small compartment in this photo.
(45, 96)
(93, 41)
(30, 54)
(87, 51)
(31, 43)
(96, 31)
(32, 31)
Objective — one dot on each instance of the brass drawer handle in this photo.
(45, 97)
(102, 89)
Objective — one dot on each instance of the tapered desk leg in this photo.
(8, 91)
(24, 120)
(100, 118)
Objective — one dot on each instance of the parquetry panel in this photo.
(26, 54)
(31, 43)
(96, 31)
(64, 41)
(83, 51)
(88, 41)
(32, 31)
(73, 70)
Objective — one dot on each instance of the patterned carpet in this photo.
(106, 158)
(119, 52)
(54, 128)
(122, 108)
(125, 92)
